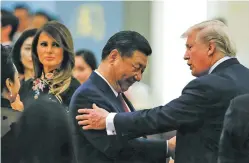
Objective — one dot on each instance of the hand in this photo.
(171, 146)
(17, 104)
(171, 161)
(172, 142)
(92, 118)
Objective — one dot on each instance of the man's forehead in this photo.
(140, 58)
(191, 39)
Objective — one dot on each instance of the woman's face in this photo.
(82, 70)
(26, 58)
(49, 52)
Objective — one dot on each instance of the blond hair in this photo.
(214, 30)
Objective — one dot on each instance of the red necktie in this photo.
(125, 107)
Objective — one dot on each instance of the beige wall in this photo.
(236, 14)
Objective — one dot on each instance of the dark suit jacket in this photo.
(95, 146)
(234, 142)
(197, 114)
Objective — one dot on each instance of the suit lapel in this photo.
(107, 91)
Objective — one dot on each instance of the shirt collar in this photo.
(113, 90)
(217, 63)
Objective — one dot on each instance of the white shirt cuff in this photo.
(167, 150)
(110, 128)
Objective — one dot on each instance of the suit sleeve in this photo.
(234, 144)
(184, 113)
(112, 146)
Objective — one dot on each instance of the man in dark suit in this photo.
(234, 142)
(198, 113)
(124, 58)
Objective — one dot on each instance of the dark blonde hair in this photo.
(214, 30)
(63, 37)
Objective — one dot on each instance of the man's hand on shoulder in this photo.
(92, 118)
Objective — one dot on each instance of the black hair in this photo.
(23, 6)
(126, 42)
(7, 67)
(88, 57)
(16, 51)
(43, 133)
(7, 18)
(44, 14)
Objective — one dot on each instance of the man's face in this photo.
(23, 17)
(197, 55)
(130, 69)
(5, 32)
(38, 21)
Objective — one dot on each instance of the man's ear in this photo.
(113, 56)
(211, 48)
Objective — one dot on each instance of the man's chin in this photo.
(125, 88)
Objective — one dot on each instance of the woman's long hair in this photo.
(62, 35)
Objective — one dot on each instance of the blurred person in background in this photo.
(85, 63)
(9, 26)
(198, 113)
(39, 19)
(234, 141)
(10, 83)
(53, 59)
(10, 86)
(22, 55)
(22, 12)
